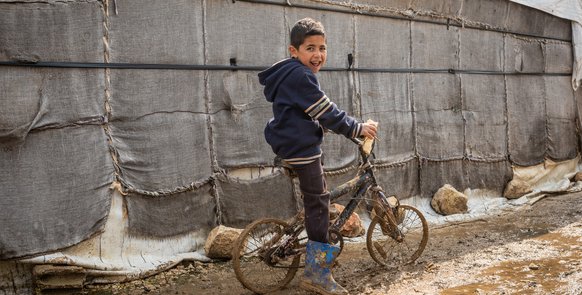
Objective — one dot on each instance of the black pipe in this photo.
(254, 68)
(130, 66)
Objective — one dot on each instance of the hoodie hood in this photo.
(272, 77)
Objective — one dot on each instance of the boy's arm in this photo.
(331, 117)
(319, 107)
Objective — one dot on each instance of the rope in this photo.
(128, 188)
(340, 171)
(107, 98)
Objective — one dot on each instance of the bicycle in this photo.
(267, 254)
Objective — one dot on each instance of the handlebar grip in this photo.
(368, 145)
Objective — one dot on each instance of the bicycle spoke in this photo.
(412, 232)
(254, 243)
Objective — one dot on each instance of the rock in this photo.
(534, 266)
(447, 200)
(220, 241)
(335, 210)
(149, 287)
(353, 226)
(516, 188)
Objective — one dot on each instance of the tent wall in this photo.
(55, 166)
(462, 91)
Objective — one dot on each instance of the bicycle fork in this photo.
(384, 208)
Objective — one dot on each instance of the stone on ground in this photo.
(353, 226)
(447, 200)
(220, 241)
(516, 188)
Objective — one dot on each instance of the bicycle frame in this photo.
(362, 182)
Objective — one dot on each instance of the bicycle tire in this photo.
(250, 268)
(389, 252)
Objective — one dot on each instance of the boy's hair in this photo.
(304, 28)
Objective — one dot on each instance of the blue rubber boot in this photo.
(317, 275)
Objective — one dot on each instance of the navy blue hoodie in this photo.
(300, 110)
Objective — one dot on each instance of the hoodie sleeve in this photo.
(319, 107)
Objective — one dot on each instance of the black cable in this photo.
(254, 68)
(129, 66)
(448, 23)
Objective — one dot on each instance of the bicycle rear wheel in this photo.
(251, 257)
(386, 249)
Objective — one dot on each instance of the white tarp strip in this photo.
(568, 9)
(543, 179)
(115, 256)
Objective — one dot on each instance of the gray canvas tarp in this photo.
(568, 9)
(241, 200)
(55, 167)
(462, 93)
(190, 211)
(62, 196)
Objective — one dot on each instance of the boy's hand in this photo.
(369, 129)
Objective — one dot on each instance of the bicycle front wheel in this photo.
(251, 257)
(400, 245)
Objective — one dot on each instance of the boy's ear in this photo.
(293, 51)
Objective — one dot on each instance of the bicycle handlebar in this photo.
(366, 144)
(356, 141)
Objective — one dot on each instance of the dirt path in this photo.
(534, 250)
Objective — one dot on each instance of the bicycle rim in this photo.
(250, 268)
(386, 250)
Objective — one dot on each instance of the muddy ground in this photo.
(535, 249)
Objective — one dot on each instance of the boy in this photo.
(301, 110)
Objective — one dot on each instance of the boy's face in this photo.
(312, 53)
